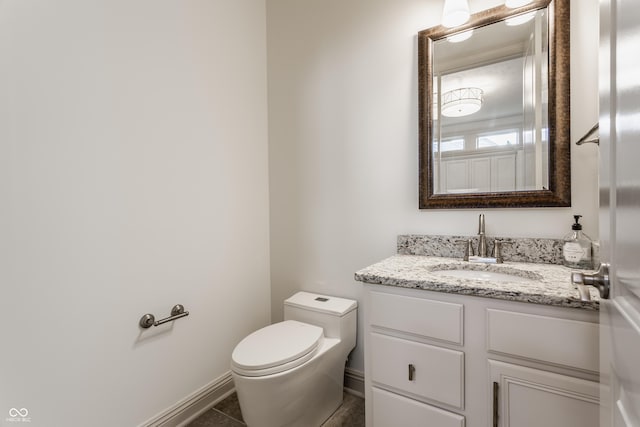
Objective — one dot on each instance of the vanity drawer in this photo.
(438, 372)
(544, 339)
(392, 410)
(428, 318)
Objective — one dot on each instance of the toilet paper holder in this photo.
(149, 320)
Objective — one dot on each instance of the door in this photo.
(620, 211)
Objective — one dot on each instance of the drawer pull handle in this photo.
(496, 389)
(412, 372)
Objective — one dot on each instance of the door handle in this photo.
(599, 280)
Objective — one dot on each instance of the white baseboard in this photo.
(193, 405)
(354, 382)
(203, 399)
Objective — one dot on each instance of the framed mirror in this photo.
(494, 110)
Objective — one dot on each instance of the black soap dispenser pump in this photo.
(576, 250)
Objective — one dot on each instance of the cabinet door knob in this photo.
(412, 372)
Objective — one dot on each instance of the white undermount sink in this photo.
(484, 275)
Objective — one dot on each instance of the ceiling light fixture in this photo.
(455, 12)
(461, 102)
(516, 3)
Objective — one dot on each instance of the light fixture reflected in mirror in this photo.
(455, 12)
(457, 38)
(520, 19)
(461, 102)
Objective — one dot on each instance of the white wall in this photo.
(343, 141)
(133, 176)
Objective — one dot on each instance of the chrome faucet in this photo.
(482, 244)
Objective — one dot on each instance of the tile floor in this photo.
(227, 414)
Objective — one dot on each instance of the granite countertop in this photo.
(549, 284)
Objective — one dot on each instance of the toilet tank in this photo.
(337, 316)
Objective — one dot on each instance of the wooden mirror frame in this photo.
(559, 192)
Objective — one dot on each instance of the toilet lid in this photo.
(280, 344)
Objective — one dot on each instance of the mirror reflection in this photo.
(494, 109)
(491, 106)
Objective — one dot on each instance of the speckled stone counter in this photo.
(548, 284)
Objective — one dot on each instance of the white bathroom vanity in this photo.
(451, 352)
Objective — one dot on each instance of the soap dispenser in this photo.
(576, 250)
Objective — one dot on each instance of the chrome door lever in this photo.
(599, 280)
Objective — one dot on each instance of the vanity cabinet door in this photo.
(527, 397)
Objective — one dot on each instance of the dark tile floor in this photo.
(227, 414)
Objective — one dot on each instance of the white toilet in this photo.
(291, 373)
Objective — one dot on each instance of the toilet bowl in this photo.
(291, 373)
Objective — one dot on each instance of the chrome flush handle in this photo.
(599, 280)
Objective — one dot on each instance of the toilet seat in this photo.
(276, 348)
